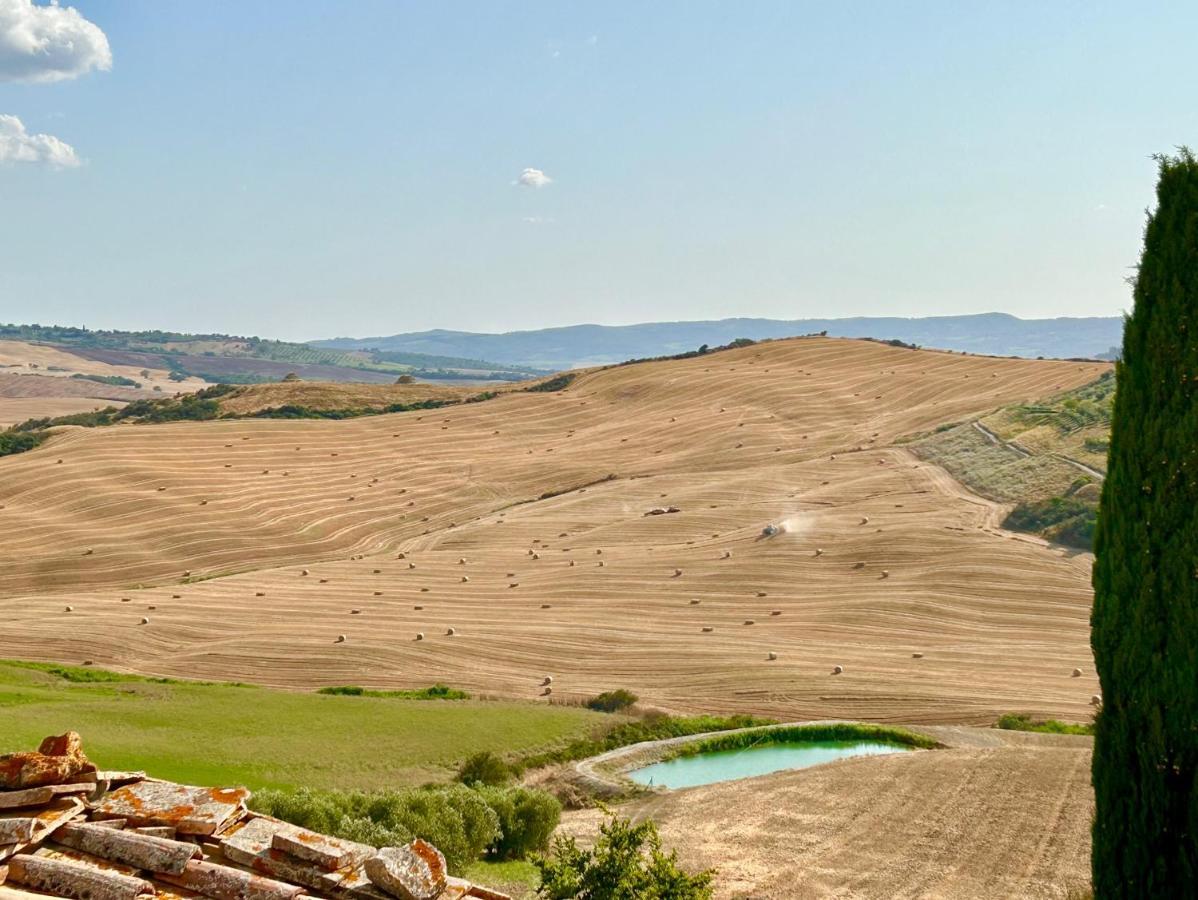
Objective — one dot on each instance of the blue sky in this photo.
(312, 169)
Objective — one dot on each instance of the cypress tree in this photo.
(1145, 616)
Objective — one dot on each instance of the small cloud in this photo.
(536, 220)
(592, 40)
(48, 43)
(556, 54)
(533, 178)
(18, 145)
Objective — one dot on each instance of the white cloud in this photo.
(536, 220)
(592, 40)
(48, 43)
(534, 178)
(18, 145)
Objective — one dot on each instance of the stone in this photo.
(414, 872)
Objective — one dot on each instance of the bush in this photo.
(18, 441)
(456, 819)
(527, 819)
(612, 701)
(433, 692)
(486, 768)
(1024, 722)
(462, 822)
(618, 868)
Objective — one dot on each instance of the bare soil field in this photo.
(35, 381)
(249, 545)
(999, 814)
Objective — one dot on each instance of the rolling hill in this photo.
(522, 523)
(997, 334)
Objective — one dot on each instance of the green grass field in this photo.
(205, 733)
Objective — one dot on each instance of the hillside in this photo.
(228, 359)
(997, 334)
(255, 540)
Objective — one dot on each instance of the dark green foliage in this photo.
(1145, 618)
(1024, 722)
(795, 734)
(612, 701)
(18, 441)
(454, 818)
(460, 821)
(434, 692)
(118, 380)
(484, 768)
(527, 819)
(627, 863)
(1066, 520)
(557, 383)
(651, 728)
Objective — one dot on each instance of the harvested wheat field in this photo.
(999, 814)
(307, 553)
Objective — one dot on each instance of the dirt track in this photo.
(1001, 815)
(795, 430)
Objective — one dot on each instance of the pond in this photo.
(746, 762)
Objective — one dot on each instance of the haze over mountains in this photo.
(997, 334)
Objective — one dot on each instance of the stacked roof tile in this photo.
(70, 830)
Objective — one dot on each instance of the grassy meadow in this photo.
(209, 733)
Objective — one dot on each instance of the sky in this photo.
(303, 170)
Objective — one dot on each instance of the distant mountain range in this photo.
(996, 334)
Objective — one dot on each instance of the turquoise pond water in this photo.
(727, 765)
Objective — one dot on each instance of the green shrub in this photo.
(18, 441)
(1024, 722)
(650, 728)
(456, 819)
(485, 768)
(627, 863)
(527, 819)
(434, 692)
(612, 701)
(557, 383)
(116, 380)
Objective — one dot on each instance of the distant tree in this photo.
(1145, 618)
(484, 767)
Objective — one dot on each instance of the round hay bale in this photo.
(378, 571)
(885, 573)
(865, 520)
(260, 593)
(1096, 700)
(176, 596)
(602, 564)
(70, 609)
(402, 556)
(727, 555)
(88, 552)
(420, 635)
(355, 612)
(340, 639)
(775, 612)
(536, 556)
(324, 581)
(547, 680)
(126, 599)
(761, 594)
(303, 571)
(145, 620)
(547, 692)
(695, 602)
(546, 606)
(378, 593)
(819, 551)
(411, 565)
(571, 562)
(151, 608)
(417, 608)
(1077, 673)
(749, 622)
(677, 572)
(707, 629)
(771, 656)
(450, 632)
(461, 560)
(917, 656)
(465, 578)
(838, 670)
